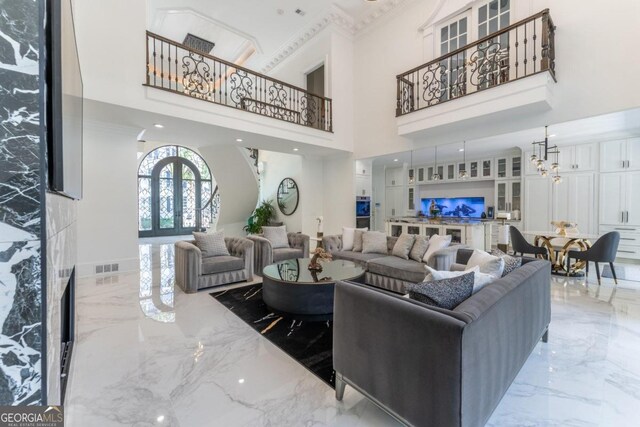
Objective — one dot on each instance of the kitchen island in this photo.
(475, 234)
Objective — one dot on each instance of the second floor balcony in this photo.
(517, 51)
(177, 68)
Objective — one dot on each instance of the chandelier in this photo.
(540, 158)
(436, 176)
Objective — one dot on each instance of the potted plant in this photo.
(260, 217)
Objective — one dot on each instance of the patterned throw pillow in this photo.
(403, 246)
(277, 236)
(374, 242)
(419, 248)
(445, 293)
(510, 262)
(211, 244)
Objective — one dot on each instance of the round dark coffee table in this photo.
(289, 287)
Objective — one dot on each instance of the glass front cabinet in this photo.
(509, 167)
(508, 196)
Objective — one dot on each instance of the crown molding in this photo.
(336, 16)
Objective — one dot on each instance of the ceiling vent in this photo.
(300, 12)
(199, 44)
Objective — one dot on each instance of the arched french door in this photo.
(174, 184)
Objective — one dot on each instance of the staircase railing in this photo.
(213, 204)
(177, 68)
(514, 52)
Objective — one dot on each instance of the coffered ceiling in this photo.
(260, 29)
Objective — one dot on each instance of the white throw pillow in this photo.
(348, 236)
(480, 280)
(488, 264)
(436, 243)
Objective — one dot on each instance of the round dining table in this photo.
(558, 245)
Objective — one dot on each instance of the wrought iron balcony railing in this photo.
(517, 51)
(177, 68)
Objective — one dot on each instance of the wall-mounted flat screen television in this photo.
(455, 207)
(64, 102)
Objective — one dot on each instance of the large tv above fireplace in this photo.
(64, 93)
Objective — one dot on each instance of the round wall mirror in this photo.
(288, 196)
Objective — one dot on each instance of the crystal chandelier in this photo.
(540, 159)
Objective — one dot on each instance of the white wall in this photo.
(278, 166)
(594, 68)
(108, 213)
(237, 185)
(338, 192)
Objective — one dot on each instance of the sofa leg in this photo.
(545, 337)
(340, 385)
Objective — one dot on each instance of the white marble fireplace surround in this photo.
(151, 355)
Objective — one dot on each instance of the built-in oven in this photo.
(363, 212)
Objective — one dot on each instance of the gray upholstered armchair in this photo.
(265, 254)
(193, 272)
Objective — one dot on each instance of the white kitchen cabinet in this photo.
(508, 166)
(363, 186)
(461, 167)
(411, 199)
(508, 196)
(537, 200)
(575, 158)
(450, 172)
(421, 177)
(619, 201)
(619, 156)
(394, 177)
(487, 169)
(363, 167)
(395, 202)
(573, 201)
(474, 169)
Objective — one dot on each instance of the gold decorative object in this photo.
(563, 226)
(319, 255)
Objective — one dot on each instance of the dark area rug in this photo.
(310, 343)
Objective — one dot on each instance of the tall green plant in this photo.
(260, 217)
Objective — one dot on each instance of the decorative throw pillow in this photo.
(277, 236)
(445, 293)
(480, 280)
(436, 243)
(211, 244)
(510, 262)
(348, 237)
(488, 264)
(357, 240)
(374, 242)
(403, 245)
(419, 248)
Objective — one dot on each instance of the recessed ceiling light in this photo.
(461, 149)
(241, 381)
(295, 149)
(160, 418)
(395, 160)
(238, 139)
(158, 125)
(552, 135)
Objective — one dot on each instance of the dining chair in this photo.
(520, 244)
(603, 250)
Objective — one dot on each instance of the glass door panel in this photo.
(516, 167)
(451, 171)
(486, 168)
(473, 169)
(501, 191)
(502, 168)
(515, 196)
(166, 199)
(413, 229)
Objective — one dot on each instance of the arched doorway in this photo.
(176, 192)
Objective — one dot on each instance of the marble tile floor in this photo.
(149, 355)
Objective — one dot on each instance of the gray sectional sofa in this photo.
(387, 271)
(428, 366)
(195, 272)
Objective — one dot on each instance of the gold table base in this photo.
(558, 258)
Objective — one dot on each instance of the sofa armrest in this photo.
(332, 243)
(443, 259)
(392, 347)
(242, 248)
(262, 253)
(299, 241)
(188, 265)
